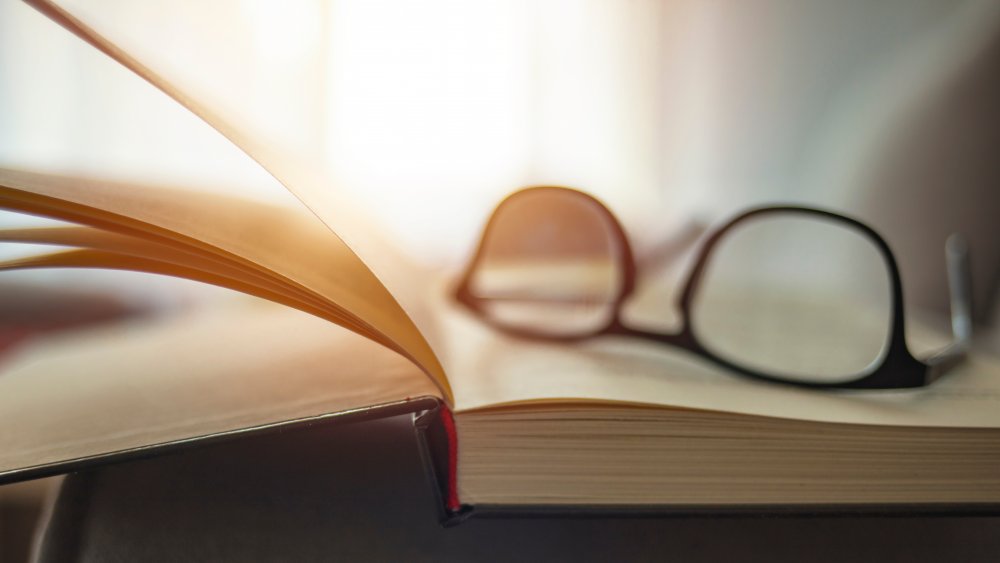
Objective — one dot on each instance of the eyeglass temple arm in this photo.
(960, 294)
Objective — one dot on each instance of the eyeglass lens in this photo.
(549, 263)
(796, 297)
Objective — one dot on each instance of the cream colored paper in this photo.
(93, 259)
(492, 369)
(140, 384)
(104, 249)
(405, 281)
(292, 245)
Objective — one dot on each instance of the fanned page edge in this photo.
(117, 247)
(144, 234)
(268, 158)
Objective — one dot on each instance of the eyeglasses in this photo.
(783, 294)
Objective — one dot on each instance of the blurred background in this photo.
(430, 112)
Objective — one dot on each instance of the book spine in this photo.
(451, 495)
(438, 443)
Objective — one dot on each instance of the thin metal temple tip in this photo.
(960, 292)
(957, 247)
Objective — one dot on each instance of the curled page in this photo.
(112, 261)
(104, 250)
(398, 310)
(229, 238)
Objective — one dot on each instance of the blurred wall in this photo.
(939, 173)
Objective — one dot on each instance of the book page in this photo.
(492, 369)
(406, 282)
(144, 383)
(294, 246)
(113, 244)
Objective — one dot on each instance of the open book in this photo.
(526, 423)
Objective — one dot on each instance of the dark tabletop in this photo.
(358, 492)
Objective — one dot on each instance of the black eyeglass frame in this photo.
(898, 368)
